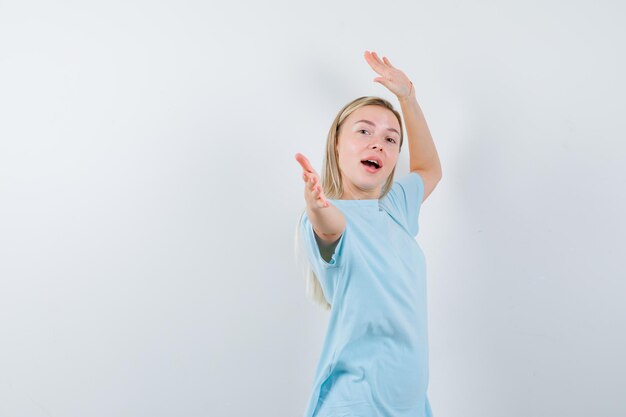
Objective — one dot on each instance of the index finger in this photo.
(374, 62)
(304, 162)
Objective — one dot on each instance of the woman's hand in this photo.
(391, 77)
(313, 193)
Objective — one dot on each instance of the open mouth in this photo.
(371, 166)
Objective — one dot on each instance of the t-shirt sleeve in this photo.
(318, 263)
(405, 200)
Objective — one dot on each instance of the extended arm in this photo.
(327, 220)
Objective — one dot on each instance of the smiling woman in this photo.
(357, 233)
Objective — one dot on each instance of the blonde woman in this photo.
(364, 265)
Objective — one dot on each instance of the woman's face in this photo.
(370, 132)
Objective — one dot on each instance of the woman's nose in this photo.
(377, 142)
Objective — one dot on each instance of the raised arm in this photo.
(423, 155)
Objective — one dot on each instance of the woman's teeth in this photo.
(370, 163)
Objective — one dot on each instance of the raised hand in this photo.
(313, 193)
(391, 77)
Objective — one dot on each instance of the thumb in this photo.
(382, 81)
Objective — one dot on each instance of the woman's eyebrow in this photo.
(370, 123)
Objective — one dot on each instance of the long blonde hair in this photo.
(333, 186)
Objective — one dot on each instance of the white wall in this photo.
(149, 193)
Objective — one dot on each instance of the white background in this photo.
(149, 195)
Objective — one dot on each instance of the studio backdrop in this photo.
(149, 196)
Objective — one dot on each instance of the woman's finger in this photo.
(381, 65)
(314, 188)
(377, 58)
(376, 66)
(384, 82)
(387, 62)
(317, 189)
(324, 200)
(320, 201)
(315, 194)
(306, 166)
(304, 162)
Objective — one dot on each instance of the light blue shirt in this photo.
(374, 360)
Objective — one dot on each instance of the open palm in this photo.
(391, 77)
(313, 191)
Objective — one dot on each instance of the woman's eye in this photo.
(392, 140)
(362, 130)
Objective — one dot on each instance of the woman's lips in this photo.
(369, 168)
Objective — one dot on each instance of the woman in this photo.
(359, 231)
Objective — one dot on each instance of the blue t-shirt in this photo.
(374, 360)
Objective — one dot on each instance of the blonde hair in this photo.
(333, 186)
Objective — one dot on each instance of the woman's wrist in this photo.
(409, 96)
